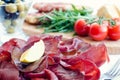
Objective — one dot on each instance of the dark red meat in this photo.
(72, 46)
(4, 55)
(9, 45)
(8, 71)
(70, 59)
(66, 74)
(97, 54)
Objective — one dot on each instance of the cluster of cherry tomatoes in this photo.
(99, 29)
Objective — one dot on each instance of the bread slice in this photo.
(32, 18)
(108, 11)
(117, 6)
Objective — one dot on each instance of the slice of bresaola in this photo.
(8, 71)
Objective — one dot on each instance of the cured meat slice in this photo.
(8, 71)
(72, 46)
(51, 44)
(97, 54)
(66, 74)
(9, 45)
(86, 67)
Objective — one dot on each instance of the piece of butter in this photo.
(108, 11)
(34, 53)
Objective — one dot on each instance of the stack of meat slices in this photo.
(32, 18)
(69, 59)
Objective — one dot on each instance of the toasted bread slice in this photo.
(32, 18)
(117, 6)
(108, 11)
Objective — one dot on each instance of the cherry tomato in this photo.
(98, 32)
(114, 31)
(81, 27)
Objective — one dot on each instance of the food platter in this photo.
(57, 55)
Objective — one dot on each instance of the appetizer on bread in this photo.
(41, 8)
